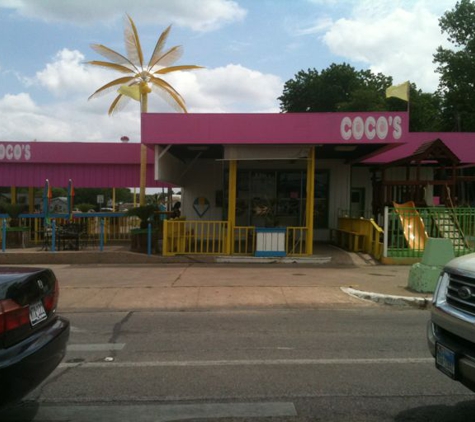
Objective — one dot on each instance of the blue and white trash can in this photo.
(270, 242)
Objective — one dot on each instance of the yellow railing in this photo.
(359, 235)
(296, 244)
(194, 237)
(244, 240)
(374, 241)
(179, 235)
(209, 237)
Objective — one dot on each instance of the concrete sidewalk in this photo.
(119, 280)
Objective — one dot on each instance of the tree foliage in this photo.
(341, 88)
(457, 67)
(338, 88)
(89, 195)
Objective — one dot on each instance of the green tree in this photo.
(142, 78)
(425, 111)
(457, 67)
(343, 88)
(338, 88)
(89, 195)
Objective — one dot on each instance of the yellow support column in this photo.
(143, 174)
(310, 199)
(231, 205)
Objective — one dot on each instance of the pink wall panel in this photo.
(87, 164)
(72, 152)
(91, 176)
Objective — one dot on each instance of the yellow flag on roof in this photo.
(399, 91)
(130, 91)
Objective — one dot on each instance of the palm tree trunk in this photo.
(143, 154)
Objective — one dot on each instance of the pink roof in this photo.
(289, 128)
(71, 152)
(386, 128)
(92, 165)
(461, 144)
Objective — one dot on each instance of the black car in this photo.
(32, 336)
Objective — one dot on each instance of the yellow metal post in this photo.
(310, 199)
(143, 173)
(166, 246)
(231, 205)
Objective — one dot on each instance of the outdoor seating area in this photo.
(72, 237)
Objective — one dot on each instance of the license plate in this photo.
(37, 313)
(445, 360)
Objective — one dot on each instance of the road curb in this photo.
(279, 260)
(392, 300)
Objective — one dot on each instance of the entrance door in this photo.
(357, 205)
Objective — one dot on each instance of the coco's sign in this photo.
(15, 152)
(369, 127)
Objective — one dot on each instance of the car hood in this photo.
(464, 265)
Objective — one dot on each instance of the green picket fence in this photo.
(409, 228)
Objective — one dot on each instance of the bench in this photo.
(347, 239)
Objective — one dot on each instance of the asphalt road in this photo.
(360, 364)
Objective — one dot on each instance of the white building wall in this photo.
(339, 193)
(202, 180)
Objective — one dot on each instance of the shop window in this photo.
(277, 197)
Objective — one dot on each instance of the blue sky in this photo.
(249, 49)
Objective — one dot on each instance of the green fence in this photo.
(407, 230)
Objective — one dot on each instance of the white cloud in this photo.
(66, 74)
(66, 121)
(232, 88)
(209, 15)
(314, 27)
(21, 102)
(398, 43)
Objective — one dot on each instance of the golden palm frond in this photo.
(176, 68)
(169, 57)
(113, 84)
(138, 74)
(174, 100)
(112, 66)
(112, 55)
(132, 43)
(157, 52)
(164, 85)
(118, 104)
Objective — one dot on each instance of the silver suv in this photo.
(451, 329)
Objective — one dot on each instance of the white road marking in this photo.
(77, 330)
(163, 413)
(252, 362)
(95, 347)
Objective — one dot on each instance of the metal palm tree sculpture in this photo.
(141, 78)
